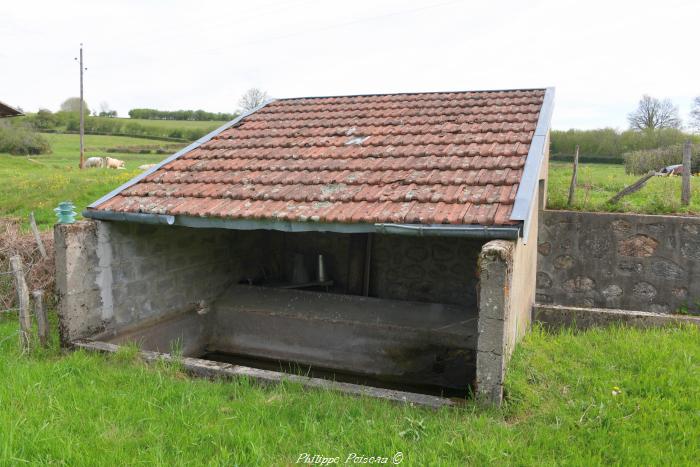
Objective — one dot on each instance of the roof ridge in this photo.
(414, 93)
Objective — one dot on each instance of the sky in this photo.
(601, 56)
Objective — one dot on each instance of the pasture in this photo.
(597, 183)
(39, 183)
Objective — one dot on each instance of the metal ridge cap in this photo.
(181, 152)
(416, 93)
(528, 180)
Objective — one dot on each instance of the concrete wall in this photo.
(111, 274)
(114, 274)
(160, 285)
(625, 261)
(506, 300)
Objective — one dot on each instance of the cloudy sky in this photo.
(600, 55)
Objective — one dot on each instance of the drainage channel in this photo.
(294, 368)
(200, 367)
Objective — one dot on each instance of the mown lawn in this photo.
(86, 409)
(597, 183)
(39, 183)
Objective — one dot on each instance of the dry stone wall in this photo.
(626, 261)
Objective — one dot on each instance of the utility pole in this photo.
(82, 110)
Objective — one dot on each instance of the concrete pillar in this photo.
(493, 342)
(79, 296)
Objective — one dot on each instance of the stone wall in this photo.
(626, 261)
(425, 269)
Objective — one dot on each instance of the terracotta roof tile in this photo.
(434, 158)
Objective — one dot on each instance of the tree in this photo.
(652, 114)
(105, 111)
(252, 98)
(72, 104)
(44, 119)
(695, 114)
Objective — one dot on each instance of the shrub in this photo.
(641, 162)
(22, 140)
(43, 120)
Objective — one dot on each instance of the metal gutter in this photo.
(429, 230)
(533, 165)
(446, 230)
(129, 217)
(181, 152)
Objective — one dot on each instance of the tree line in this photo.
(191, 115)
(610, 144)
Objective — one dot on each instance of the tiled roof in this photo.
(438, 158)
(7, 111)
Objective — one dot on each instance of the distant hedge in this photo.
(608, 143)
(588, 159)
(22, 140)
(641, 162)
(196, 115)
(69, 122)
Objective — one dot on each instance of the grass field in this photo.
(597, 183)
(85, 409)
(170, 124)
(39, 183)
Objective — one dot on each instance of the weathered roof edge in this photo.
(422, 230)
(171, 158)
(11, 113)
(411, 93)
(533, 165)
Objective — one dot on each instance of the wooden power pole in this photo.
(82, 111)
(685, 188)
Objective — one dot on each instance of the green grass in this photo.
(597, 183)
(86, 409)
(39, 183)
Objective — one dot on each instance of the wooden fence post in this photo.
(25, 317)
(42, 320)
(574, 180)
(37, 235)
(685, 187)
(636, 186)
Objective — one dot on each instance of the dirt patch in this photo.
(39, 273)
